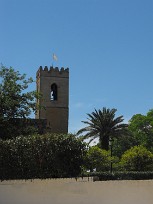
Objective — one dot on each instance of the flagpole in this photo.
(53, 60)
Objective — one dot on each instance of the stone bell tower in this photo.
(53, 84)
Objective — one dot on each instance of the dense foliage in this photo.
(130, 175)
(141, 128)
(121, 144)
(137, 158)
(97, 159)
(41, 157)
(15, 102)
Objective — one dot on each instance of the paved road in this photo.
(70, 191)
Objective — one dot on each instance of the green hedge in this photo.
(46, 156)
(104, 176)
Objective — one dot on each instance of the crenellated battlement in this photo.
(51, 71)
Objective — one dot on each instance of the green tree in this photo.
(15, 102)
(141, 127)
(102, 124)
(98, 159)
(121, 144)
(138, 158)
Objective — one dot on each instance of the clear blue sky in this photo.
(107, 45)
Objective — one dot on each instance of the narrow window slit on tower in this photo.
(53, 96)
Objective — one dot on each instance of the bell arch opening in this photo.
(53, 94)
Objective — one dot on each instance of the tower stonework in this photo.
(53, 84)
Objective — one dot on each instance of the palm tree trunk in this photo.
(104, 142)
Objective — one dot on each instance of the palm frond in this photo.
(103, 124)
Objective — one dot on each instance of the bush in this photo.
(44, 156)
(137, 158)
(105, 176)
(98, 159)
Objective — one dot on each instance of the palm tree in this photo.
(102, 124)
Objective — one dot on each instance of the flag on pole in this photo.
(55, 57)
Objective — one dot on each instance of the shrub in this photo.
(137, 158)
(43, 156)
(105, 176)
(98, 159)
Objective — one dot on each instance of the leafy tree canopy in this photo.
(14, 101)
(141, 126)
(138, 158)
(98, 159)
